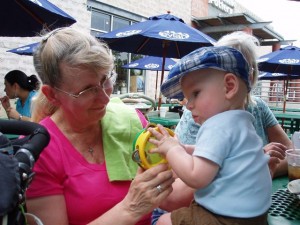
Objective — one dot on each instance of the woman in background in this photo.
(19, 85)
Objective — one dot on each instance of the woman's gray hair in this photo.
(247, 45)
(70, 46)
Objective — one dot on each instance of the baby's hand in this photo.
(163, 140)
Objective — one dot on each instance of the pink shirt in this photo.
(62, 170)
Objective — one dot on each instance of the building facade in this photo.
(101, 16)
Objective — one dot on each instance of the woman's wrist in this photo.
(129, 211)
(20, 116)
(119, 214)
(7, 110)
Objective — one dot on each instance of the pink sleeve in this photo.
(143, 119)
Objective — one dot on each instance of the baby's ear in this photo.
(231, 84)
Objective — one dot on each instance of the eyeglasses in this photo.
(106, 83)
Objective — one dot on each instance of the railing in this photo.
(272, 92)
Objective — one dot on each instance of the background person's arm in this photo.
(277, 134)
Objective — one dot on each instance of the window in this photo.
(101, 22)
(128, 80)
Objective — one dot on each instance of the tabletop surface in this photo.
(285, 207)
(171, 119)
(287, 115)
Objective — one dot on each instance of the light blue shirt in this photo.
(242, 187)
(26, 109)
(187, 129)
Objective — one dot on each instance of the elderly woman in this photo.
(86, 174)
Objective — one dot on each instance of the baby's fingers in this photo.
(155, 133)
(153, 141)
(163, 130)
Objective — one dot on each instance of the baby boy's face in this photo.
(205, 92)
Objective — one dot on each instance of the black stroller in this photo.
(17, 158)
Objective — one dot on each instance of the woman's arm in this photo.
(13, 114)
(50, 209)
(143, 196)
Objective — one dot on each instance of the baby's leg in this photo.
(164, 219)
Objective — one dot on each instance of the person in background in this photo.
(86, 174)
(227, 160)
(19, 85)
(267, 127)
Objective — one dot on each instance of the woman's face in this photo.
(9, 89)
(91, 93)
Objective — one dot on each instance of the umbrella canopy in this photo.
(285, 60)
(151, 63)
(163, 35)
(25, 50)
(26, 18)
(277, 76)
(150, 37)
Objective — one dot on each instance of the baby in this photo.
(228, 167)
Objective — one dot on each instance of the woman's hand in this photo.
(148, 190)
(277, 153)
(5, 102)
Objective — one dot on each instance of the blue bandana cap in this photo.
(220, 58)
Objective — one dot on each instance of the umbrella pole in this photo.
(162, 72)
(285, 88)
(156, 85)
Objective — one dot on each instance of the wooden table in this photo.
(285, 208)
(290, 121)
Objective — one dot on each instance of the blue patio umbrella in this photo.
(285, 60)
(26, 18)
(277, 76)
(25, 50)
(153, 63)
(163, 35)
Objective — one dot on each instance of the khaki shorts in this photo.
(197, 215)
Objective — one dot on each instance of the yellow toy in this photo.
(141, 148)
